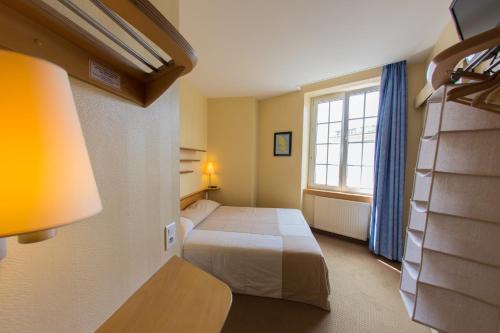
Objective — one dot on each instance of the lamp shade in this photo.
(210, 168)
(46, 179)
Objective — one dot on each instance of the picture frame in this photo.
(282, 144)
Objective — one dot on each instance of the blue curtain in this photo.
(386, 228)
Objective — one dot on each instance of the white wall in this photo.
(75, 281)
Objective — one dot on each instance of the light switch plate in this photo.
(3, 248)
(170, 235)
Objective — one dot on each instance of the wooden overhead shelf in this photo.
(182, 172)
(478, 86)
(188, 160)
(126, 47)
(443, 64)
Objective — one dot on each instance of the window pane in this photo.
(335, 132)
(321, 154)
(370, 129)
(353, 176)
(333, 175)
(320, 175)
(334, 154)
(322, 116)
(336, 110)
(346, 142)
(322, 133)
(372, 104)
(370, 137)
(354, 153)
(356, 105)
(368, 153)
(355, 130)
(367, 178)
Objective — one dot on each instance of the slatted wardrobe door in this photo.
(451, 269)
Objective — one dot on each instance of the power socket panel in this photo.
(170, 235)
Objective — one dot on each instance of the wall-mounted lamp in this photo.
(210, 171)
(46, 180)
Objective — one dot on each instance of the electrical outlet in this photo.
(170, 236)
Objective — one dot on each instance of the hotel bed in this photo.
(257, 251)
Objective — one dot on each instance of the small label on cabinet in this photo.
(104, 75)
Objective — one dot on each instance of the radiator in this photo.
(348, 218)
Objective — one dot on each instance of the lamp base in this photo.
(3, 248)
(37, 236)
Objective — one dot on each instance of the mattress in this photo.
(263, 252)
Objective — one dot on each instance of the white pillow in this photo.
(199, 211)
(185, 227)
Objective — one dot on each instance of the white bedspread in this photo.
(261, 251)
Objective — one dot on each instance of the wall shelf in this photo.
(192, 149)
(189, 160)
(182, 172)
(126, 47)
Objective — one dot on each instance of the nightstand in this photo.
(209, 189)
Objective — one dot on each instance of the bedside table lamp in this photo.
(210, 172)
(46, 180)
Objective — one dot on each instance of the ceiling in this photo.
(268, 47)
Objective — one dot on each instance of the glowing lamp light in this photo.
(210, 171)
(46, 180)
(210, 168)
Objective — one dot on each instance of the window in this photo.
(343, 141)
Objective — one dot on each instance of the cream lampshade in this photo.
(210, 168)
(210, 171)
(46, 180)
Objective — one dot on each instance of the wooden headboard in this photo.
(192, 198)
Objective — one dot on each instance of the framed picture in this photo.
(283, 144)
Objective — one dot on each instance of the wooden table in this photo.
(178, 298)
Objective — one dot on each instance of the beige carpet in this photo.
(365, 298)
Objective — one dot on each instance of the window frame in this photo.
(342, 187)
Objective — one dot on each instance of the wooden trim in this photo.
(191, 198)
(339, 195)
(423, 95)
(182, 172)
(34, 28)
(192, 149)
(178, 298)
(189, 160)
